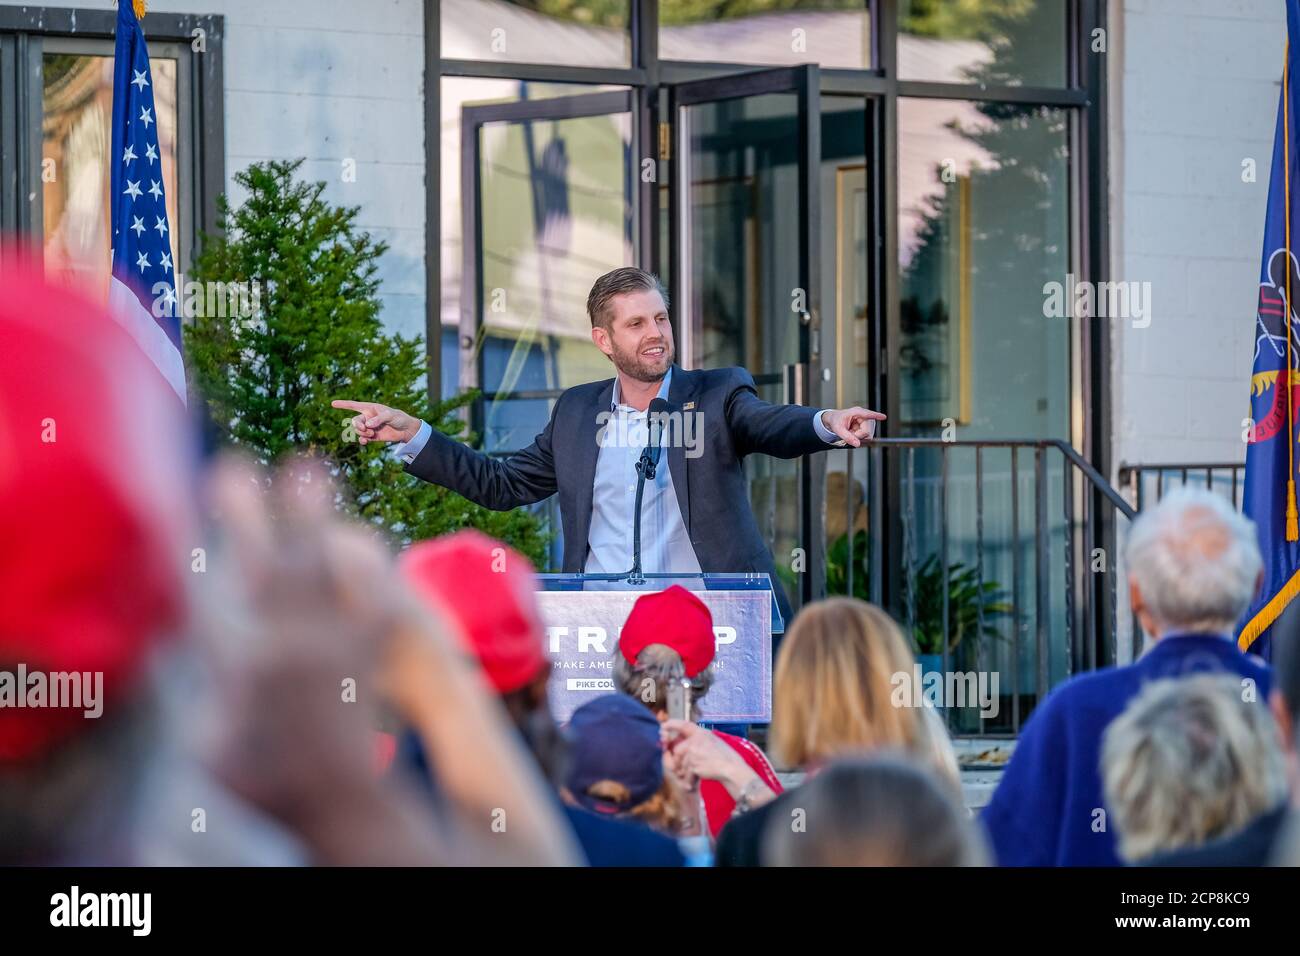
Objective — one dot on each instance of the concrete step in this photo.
(979, 778)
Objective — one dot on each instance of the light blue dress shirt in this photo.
(665, 544)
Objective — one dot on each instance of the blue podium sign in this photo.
(582, 628)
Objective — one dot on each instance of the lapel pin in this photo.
(688, 406)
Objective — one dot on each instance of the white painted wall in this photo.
(329, 80)
(1194, 86)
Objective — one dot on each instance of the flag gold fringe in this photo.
(140, 8)
(1292, 518)
(1269, 613)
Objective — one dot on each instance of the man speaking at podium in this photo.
(695, 513)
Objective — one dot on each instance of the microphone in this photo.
(649, 461)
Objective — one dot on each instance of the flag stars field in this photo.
(141, 247)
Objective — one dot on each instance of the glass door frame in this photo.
(472, 121)
(188, 200)
(26, 32)
(1084, 93)
(802, 379)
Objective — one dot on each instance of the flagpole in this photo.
(1292, 517)
(1264, 461)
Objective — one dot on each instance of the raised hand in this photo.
(698, 754)
(854, 425)
(375, 422)
(307, 604)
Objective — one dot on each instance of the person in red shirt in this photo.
(668, 636)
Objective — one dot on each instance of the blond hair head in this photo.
(831, 691)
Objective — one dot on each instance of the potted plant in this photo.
(969, 603)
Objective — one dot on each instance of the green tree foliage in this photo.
(604, 13)
(675, 12)
(964, 19)
(315, 335)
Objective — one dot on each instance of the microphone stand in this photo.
(646, 466)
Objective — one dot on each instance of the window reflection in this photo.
(832, 33)
(573, 32)
(77, 137)
(983, 224)
(846, 246)
(554, 212)
(994, 42)
(743, 225)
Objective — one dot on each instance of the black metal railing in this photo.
(1144, 485)
(1004, 555)
(1035, 531)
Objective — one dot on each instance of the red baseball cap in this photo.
(675, 618)
(95, 507)
(487, 588)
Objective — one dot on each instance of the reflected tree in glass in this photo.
(993, 42)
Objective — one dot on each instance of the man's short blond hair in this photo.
(611, 285)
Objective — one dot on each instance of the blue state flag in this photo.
(1271, 455)
(142, 290)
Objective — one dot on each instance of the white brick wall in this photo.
(329, 80)
(1194, 93)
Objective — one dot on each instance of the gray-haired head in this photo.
(1190, 760)
(1194, 561)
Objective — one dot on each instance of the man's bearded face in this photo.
(640, 336)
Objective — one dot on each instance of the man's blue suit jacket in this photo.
(711, 488)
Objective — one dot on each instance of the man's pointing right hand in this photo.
(375, 422)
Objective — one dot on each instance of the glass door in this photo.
(547, 209)
(744, 201)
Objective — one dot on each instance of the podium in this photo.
(584, 614)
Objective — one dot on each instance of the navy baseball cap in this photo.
(614, 738)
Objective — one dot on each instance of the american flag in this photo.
(142, 290)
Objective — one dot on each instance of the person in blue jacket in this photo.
(1194, 567)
